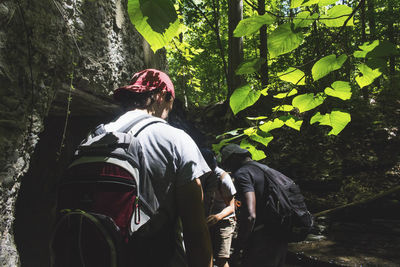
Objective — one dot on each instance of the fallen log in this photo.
(358, 203)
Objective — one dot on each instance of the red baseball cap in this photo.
(145, 81)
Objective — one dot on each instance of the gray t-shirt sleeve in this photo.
(189, 161)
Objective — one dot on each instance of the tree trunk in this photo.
(363, 39)
(390, 34)
(363, 25)
(263, 46)
(371, 19)
(235, 45)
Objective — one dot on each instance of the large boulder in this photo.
(57, 57)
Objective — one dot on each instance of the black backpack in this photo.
(105, 202)
(285, 208)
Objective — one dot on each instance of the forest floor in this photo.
(376, 243)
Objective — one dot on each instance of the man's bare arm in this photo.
(228, 210)
(247, 219)
(195, 231)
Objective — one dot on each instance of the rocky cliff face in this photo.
(56, 56)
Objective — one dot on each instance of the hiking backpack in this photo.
(105, 196)
(285, 207)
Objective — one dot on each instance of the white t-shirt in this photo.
(225, 191)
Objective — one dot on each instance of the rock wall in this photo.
(56, 57)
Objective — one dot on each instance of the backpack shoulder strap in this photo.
(126, 128)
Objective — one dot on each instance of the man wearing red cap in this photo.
(174, 164)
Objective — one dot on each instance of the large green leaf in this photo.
(255, 153)
(326, 2)
(326, 65)
(384, 49)
(250, 66)
(339, 89)
(286, 94)
(293, 75)
(307, 102)
(224, 142)
(295, 3)
(283, 40)
(292, 122)
(367, 75)
(304, 19)
(310, 2)
(243, 97)
(262, 139)
(337, 15)
(366, 47)
(285, 108)
(270, 125)
(155, 20)
(336, 119)
(251, 25)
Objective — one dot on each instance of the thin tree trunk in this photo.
(235, 44)
(363, 39)
(263, 46)
(363, 25)
(371, 19)
(390, 31)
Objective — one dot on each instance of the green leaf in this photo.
(293, 75)
(224, 142)
(243, 97)
(304, 19)
(233, 132)
(255, 153)
(155, 20)
(336, 119)
(270, 125)
(250, 66)
(295, 3)
(285, 108)
(366, 47)
(367, 76)
(326, 2)
(310, 2)
(377, 63)
(339, 89)
(262, 140)
(384, 49)
(264, 91)
(292, 122)
(287, 94)
(257, 118)
(326, 65)
(250, 131)
(283, 40)
(307, 102)
(251, 25)
(337, 15)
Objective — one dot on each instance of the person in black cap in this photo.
(256, 244)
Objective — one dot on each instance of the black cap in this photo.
(231, 149)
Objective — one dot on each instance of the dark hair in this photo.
(208, 155)
(130, 100)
